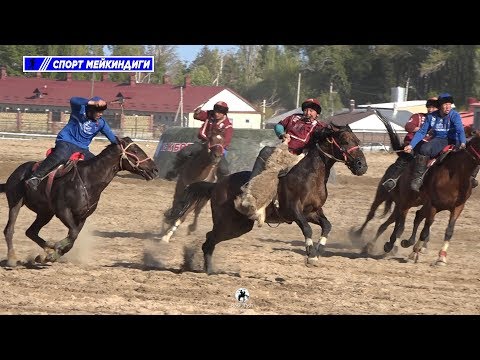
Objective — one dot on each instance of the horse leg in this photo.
(198, 208)
(326, 226)
(442, 255)
(368, 248)
(208, 247)
(429, 213)
(419, 216)
(303, 224)
(169, 233)
(9, 231)
(34, 229)
(63, 246)
(397, 230)
(380, 197)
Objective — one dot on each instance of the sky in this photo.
(188, 53)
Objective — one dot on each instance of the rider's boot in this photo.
(420, 168)
(44, 168)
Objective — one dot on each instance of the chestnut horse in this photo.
(447, 186)
(402, 196)
(71, 197)
(200, 167)
(301, 193)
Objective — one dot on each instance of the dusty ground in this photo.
(106, 273)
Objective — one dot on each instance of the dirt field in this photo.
(106, 271)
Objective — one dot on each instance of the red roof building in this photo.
(165, 102)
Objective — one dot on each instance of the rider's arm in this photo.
(457, 121)
(107, 131)
(78, 104)
(279, 130)
(201, 115)
(420, 134)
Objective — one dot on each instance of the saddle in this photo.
(61, 169)
(441, 155)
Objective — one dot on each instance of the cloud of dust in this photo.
(84, 247)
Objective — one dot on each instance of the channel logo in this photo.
(88, 64)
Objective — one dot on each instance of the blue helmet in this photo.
(445, 98)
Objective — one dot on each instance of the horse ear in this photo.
(323, 133)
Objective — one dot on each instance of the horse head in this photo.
(215, 145)
(473, 146)
(135, 160)
(339, 143)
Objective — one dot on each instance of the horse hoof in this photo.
(441, 262)
(387, 247)
(165, 239)
(40, 259)
(423, 250)
(52, 257)
(405, 244)
(50, 244)
(312, 261)
(12, 262)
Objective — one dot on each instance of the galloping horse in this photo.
(71, 197)
(202, 167)
(401, 194)
(446, 187)
(301, 193)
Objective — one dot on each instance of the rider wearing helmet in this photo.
(413, 124)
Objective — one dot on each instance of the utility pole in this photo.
(181, 107)
(406, 89)
(264, 104)
(331, 98)
(93, 83)
(298, 88)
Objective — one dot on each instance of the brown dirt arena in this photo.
(106, 272)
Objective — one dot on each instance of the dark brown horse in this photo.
(72, 197)
(302, 192)
(202, 167)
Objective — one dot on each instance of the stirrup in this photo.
(33, 182)
(389, 184)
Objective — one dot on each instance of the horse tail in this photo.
(392, 134)
(3, 188)
(192, 195)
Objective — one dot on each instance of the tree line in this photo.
(272, 73)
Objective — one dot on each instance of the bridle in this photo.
(345, 152)
(211, 147)
(126, 155)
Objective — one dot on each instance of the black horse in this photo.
(297, 203)
(71, 197)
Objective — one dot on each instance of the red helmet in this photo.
(221, 107)
(312, 104)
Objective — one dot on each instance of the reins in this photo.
(125, 155)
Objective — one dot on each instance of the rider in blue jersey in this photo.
(85, 123)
